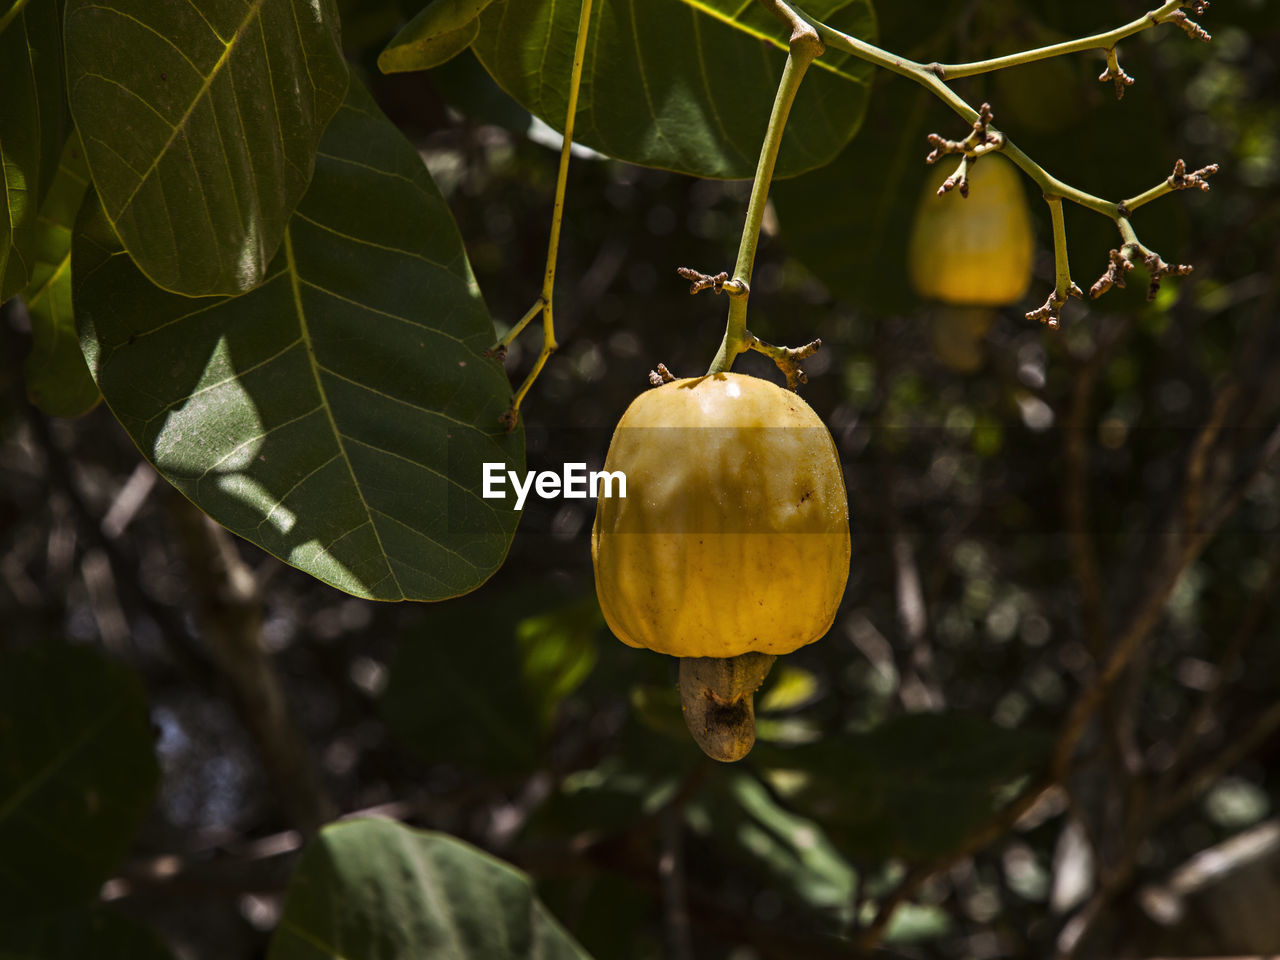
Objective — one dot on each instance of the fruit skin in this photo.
(976, 250)
(734, 535)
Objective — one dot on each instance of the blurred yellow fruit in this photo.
(976, 250)
(956, 334)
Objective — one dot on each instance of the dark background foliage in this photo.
(1012, 523)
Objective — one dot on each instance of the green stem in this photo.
(562, 175)
(736, 339)
(11, 13)
(1159, 190)
(520, 325)
(930, 77)
(1061, 264)
(1099, 41)
(543, 303)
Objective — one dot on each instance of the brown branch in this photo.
(229, 609)
(1193, 496)
(1080, 543)
(870, 936)
(1243, 746)
(1152, 611)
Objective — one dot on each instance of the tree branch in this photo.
(229, 609)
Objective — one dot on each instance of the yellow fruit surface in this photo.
(975, 250)
(734, 534)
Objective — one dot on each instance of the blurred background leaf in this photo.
(84, 934)
(33, 125)
(77, 773)
(58, 382)
(791, 852)
(493, 703)
(913, 788)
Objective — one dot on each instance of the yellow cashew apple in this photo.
(734, 534)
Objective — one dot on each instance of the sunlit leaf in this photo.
(375, 890)
(58, 382)
(685, 85)
(788, 688)
(558, 649)
(442, 30)
(200, 123)
(77, 774)
(339, 414)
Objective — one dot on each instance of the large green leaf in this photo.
(685, 85)
(58, 381)
(81, 934)
(200, 123)
(376, 890)
(912, 788)
(338, 415)
(32, 126)
(77, 774)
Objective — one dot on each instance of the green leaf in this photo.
(477, 711)
(82, 934)
(685, 85)
(441, 31)
(77, 774)
(33, 125)
(657, 707)
(200, 123)
(793, 852)
(914, 788)
(375, 890)
(338, 415)
(58, 382)
(849, 221)
(789, 688)
(558, 649)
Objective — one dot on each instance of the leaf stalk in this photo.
(544, 303)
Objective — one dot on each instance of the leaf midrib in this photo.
(228, 47)
(295, 285)
(738, 25)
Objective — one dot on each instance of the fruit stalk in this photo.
(805, 47)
